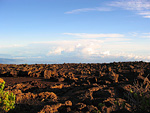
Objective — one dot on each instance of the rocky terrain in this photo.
(73, 88)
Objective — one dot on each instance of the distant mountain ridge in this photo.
(8, 61)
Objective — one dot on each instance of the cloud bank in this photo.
(85, 47)
(93, 49)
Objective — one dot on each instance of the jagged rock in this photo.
(13, 73)
(80, 106)
(94, 89)
(50, 108)
(61, 79)
(109, 69)
(47, 74)
(59, 86)
(48, 95)
(68, 103)
(92, 108)
(113, 76)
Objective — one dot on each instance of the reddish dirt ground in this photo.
(10, 81)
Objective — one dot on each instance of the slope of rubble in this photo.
(72, 88)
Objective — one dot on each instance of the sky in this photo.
(74, 31)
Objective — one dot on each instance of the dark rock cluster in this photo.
(72, 88)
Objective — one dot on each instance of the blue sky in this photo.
(58, 31)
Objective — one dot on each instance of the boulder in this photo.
(47, 74)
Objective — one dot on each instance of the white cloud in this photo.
(87, 10)
(145, 14)
(86, 35)
(56, 51)
(139, 5)
(138, 35)
(79, 47)
(133, 34)
(11, 46)
(148, 36)
(142, 7)
(106, 53)
(94, 48)
(132, 56)
(145, 35)
(89, 48)
(116, 39)
(37, 57)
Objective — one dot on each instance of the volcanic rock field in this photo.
(73, 88)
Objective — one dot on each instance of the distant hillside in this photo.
(8, 61)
